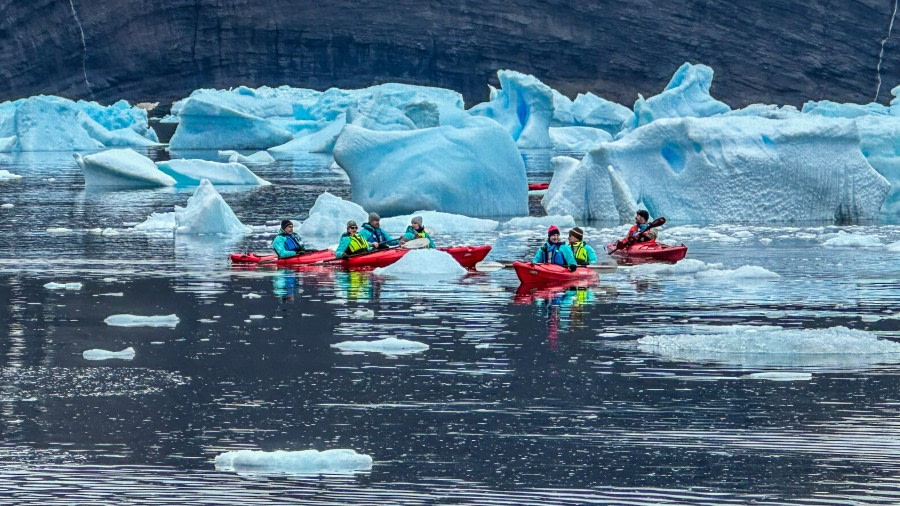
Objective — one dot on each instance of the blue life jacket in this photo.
(292, 244)
(377, 233)
(552, 254)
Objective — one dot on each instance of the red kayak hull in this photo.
(651, 251)
(534, 274)
(467, 256)
(538, 186)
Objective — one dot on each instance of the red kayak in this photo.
(467, 256)
(651, 251)
(538, 186)
(532, 273)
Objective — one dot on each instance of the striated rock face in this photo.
(774, 51)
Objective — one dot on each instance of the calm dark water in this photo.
(523, 397)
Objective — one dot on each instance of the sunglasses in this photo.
(353, 228)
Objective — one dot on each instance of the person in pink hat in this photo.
(549, 252)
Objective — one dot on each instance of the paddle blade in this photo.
(658, 222)
(419, 243)
(489, 266)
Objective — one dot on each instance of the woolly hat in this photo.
(644, 214)
(552, 230)
(416, 219)
(286, 223)
(577, 233)
(351, 223)
(374, 216)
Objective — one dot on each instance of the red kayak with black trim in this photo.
(538, 186)
(650, 251)
(532, 274)
(467, 256)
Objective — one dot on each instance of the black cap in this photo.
(285, 223)
(644, 214)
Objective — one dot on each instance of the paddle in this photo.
(658, 222)
(496, 266)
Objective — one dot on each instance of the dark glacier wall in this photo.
(773, 51)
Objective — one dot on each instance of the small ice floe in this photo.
(845, 240)
(704, 271)
(58, 230)
(98, 354)
(62, 286)
(7, 206)
(779, 376)
(482, 346)
(6, 175)
(364, 313)
(251, 295)
(339, 461)
(130, 320)
(423, 262)
(893, 247)
(256, 317)
(528, 222)
(388, 346)
(111, 294)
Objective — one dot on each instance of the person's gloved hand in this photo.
(572, 268)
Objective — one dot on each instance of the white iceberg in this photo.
(208, 122)
(6, 176)
(472, 168)
(207, 213)
(523, 106)
(258, 157)
(191, 172)
(577, 138)
(340, 461)
(775, 346)
(440, 223)
(686, 95)
(527, 222)
(423, 263)
(121, 168)
(329, 215)
(158, 223)
(734, 168)
(130, 320)
(845, 240)
(98, 354)
(388, 346)
(63, 286)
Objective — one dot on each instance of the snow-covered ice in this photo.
(338, 461)
(130, 320)
(440, 223)
(6, 176)
(387, 346)
(329, 215)
(207, 213)
(686, 95)
(63, 286)
(158, 223)
(471, 168)
(523, 106)
(98, 354)
(423, 263)
(258, 157)
(191, 172)
(121, 168)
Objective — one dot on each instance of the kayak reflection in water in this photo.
(416, 230)
(352, 242)
(287, 244)
(549, 252)
(576, 252)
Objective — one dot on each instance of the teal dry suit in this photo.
(549, 253)
(411, 234)
(287, 245)
(372, 234)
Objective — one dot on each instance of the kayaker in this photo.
(287, 244)
(576, 252)
(549, 252)
(640, 231)
(416, 230)
(352, 243)
(373, 232)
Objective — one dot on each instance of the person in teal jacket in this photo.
(287, 244)
(549, 252)
(373, 232)
(352, 243)
(576, 252)
(416, 230)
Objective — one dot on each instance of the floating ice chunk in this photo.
(319, 142)
(209, 122)
(523, 106)
(565, 221)
(111, 294)
(440, 223)
(251, 295)
(62, 286)
(780, 376)
(837, 110)
(130, 320)
(686, 267)
(472, 168)
(121, 168)
(388, 346)
(339, 461)
(258, 157)
(893, 247)
(686, 95)
(191, 172)
(771, 345)
(119, 138)
(7, 206)
(423, 263)
(744, 273)
(593, 111)
(97, 354)
(329, 216)
(158, 223)
(845, 240)
(364, 313)
(577, 138)
(59, 230)
(207, 213)
(6, 176)
(737, 168)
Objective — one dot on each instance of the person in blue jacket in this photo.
(352, 243)
(373, 232)
(416, 230)
(287, 244)
(549, 252)
(576, 252)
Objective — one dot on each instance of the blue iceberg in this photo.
(523, 106)
(686, 95)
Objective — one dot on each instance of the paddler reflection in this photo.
(564, 307)
(284, 284)
(356, 285)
